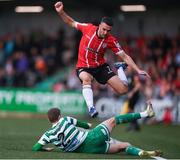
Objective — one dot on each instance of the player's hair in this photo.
(53, 114)
(107, 20)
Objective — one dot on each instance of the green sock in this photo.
(127, 117)
(133, 150)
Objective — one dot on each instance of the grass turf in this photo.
(17, 137)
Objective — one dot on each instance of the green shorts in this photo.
(97, 141)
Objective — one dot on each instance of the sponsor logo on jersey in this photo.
(92, 50)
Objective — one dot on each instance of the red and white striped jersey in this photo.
(92, 48)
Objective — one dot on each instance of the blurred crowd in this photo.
(29, 58)
(160, 56)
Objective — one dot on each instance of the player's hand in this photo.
(143, 73)
(90, 125)
(59, 7)
(48, 149)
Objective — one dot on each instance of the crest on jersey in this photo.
(104, 45)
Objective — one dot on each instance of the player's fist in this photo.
(48, 149)
(59, 7)
(90, 125)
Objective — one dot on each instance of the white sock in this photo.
(122, 76)
(144, 114)
(88, 95)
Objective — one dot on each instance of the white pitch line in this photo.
(158, 158)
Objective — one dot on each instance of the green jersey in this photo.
(65, 135)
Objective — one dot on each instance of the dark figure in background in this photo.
(133, 98)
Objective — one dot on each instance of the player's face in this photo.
(103, 30)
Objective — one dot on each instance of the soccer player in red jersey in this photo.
(91, 63)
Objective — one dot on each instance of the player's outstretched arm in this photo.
(83, 124)
(66, 18)
(132, 64)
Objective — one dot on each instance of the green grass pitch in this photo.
(17, 137)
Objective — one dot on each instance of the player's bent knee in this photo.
(128, 144)
(86, 80)
(124, 145)
(110, 123)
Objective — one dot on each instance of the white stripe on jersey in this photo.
(98, 51)
(71, 136)
(68, 129)
(55, 126)
(88, 47)
(70, 120)
(41, 141)
(55, 136)
(80, 134)
(64, 125)
(80, 139)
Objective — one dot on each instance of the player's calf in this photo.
(149, 112)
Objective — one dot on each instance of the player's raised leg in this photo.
(133, 116)
(117, 85)
(112, 122)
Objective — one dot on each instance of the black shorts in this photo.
(102, 73)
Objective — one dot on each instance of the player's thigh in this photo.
(117, 84)
(85, 77)
(109, 123)
(95, 141)
(103, 74)
(93, 148)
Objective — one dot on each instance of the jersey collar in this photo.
(54, 124)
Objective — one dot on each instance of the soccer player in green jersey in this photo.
(66, 135)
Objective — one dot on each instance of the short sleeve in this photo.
(83, 27)
(114, 45)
